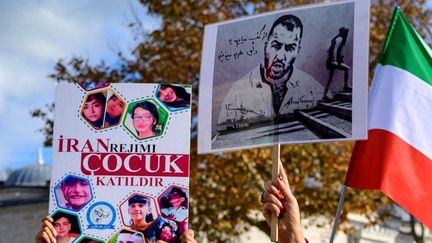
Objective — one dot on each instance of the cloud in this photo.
(33, 36)
(19, 136)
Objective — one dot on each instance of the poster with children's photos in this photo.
(297, 75)
(120, 169)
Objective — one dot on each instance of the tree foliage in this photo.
(225, 187)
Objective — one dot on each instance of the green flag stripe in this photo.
(404, 48)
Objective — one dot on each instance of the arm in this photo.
(47, 232)
(335, 50)
(279, 200)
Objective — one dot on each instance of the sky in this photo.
(34, 35)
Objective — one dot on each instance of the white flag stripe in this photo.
(402, 104)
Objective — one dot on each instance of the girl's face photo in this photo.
(93, 110)
(143, 120)
(167, 95)
(115, 106)
(76, 192)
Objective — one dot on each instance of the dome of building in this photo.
(3, 175)
(35, 175)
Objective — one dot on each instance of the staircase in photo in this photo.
(331, 118)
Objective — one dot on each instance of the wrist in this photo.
(292, 237)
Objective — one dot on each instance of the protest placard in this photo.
(290, 76)
(121, 162)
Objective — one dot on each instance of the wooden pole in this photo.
(275, 173)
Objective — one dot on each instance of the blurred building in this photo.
(4, 174)
(24, 201)
(33, 175)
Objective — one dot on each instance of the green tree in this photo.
(225, 187)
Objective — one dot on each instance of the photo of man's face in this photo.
(175, 199)
(139, 211)
(76, 191)
(66, 225)
(281, 51)
(62, 226)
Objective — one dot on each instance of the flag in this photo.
(397, 157)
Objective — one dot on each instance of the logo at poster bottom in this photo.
(101, 215)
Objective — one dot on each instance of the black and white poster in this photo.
(291, 76)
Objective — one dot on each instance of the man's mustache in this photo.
(277, 61)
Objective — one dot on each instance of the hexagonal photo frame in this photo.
(174, 97)
(167, 230)
(173, 203)
(73, 193)
(67, 225)
(115, 109)
(145, 119)
(92, 86)
(174, 206)
(93, 109)
(127, 235)
(138, 209)
(103, 109)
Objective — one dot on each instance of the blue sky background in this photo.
(33, 36)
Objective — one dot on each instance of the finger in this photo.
(46, 238)
(190, 233)
(38, 238)
(185, 234)
(46, 221)
(50, 226)
(47, 217)
(188, 237)
(50, 234)
(269, 209)
(283, 174)
(270, 188)
(272, 199)
(282, 183)
(285, 190)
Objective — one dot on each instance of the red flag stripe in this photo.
(391, 164)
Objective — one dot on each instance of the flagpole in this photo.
(275, 173)
(338, 212)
